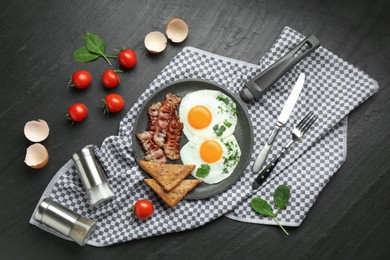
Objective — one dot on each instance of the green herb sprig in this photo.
(229, 104)
(281, 196)
(227, 123)
(94, 47)
(203, 170)
(218, 130)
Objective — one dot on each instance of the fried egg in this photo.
(215, 159)
(207, 114)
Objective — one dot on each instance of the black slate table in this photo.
(351, 218)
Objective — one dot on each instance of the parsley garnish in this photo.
(223, 99)
(227, 123)
(218, 130)
(203, 171)
(229, 104)
(232, 158)
(220, 110)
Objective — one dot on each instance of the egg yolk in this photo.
(199, 117)
(210, 151)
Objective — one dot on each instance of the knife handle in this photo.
(264, 152)
(261, 158)
(267, 171)
(256, 87)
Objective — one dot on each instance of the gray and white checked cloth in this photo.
(333, 88)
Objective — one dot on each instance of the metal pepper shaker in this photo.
(65, 221)
(92, 176)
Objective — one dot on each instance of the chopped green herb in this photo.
(233, 156)
(230, 105)
(218, 130)
(227, 123)
(220, 110)
(223, 99)
(229, 146)
(233, 108)
(203, 171)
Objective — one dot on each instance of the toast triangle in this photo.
(167, 175)
(177, 194)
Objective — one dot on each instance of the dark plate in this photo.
(243, 132)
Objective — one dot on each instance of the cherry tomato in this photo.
(110, 78)
(80, 79)
(127, 59)
(113, 103)
(77, 112)
(143, 209)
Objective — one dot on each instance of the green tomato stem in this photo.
(280, 225)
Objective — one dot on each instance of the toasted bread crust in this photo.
(177, 194)
(167, 175)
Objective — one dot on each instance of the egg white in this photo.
(222, 108)
(219, 170)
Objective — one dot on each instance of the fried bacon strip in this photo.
(162, 138)
(172, 144)
(153, 115)
(152, 151)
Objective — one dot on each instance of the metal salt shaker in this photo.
(92, 176)
(65, 221)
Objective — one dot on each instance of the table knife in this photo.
(283, 117)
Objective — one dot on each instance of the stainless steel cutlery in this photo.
(297, 134)
(283, 117)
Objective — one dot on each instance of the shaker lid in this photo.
(88, 167)
(40, 211)
(87, 151)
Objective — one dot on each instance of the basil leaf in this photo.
(94, 43)
(262, 207)
(203, 171)
(281, 196)
(83, 55)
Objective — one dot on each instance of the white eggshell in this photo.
(155, 42)
(36, 130)
(36, 156)
(177, 30)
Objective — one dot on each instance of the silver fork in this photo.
(297, 134)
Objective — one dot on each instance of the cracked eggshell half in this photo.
(155, 42)
(36, 156)
(177, 30)
(36, 130)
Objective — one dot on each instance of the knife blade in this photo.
(292, 100)
(282, 119)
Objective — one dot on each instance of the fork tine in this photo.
(309, 124)
(304, 120)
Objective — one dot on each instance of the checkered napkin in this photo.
(333, 88)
